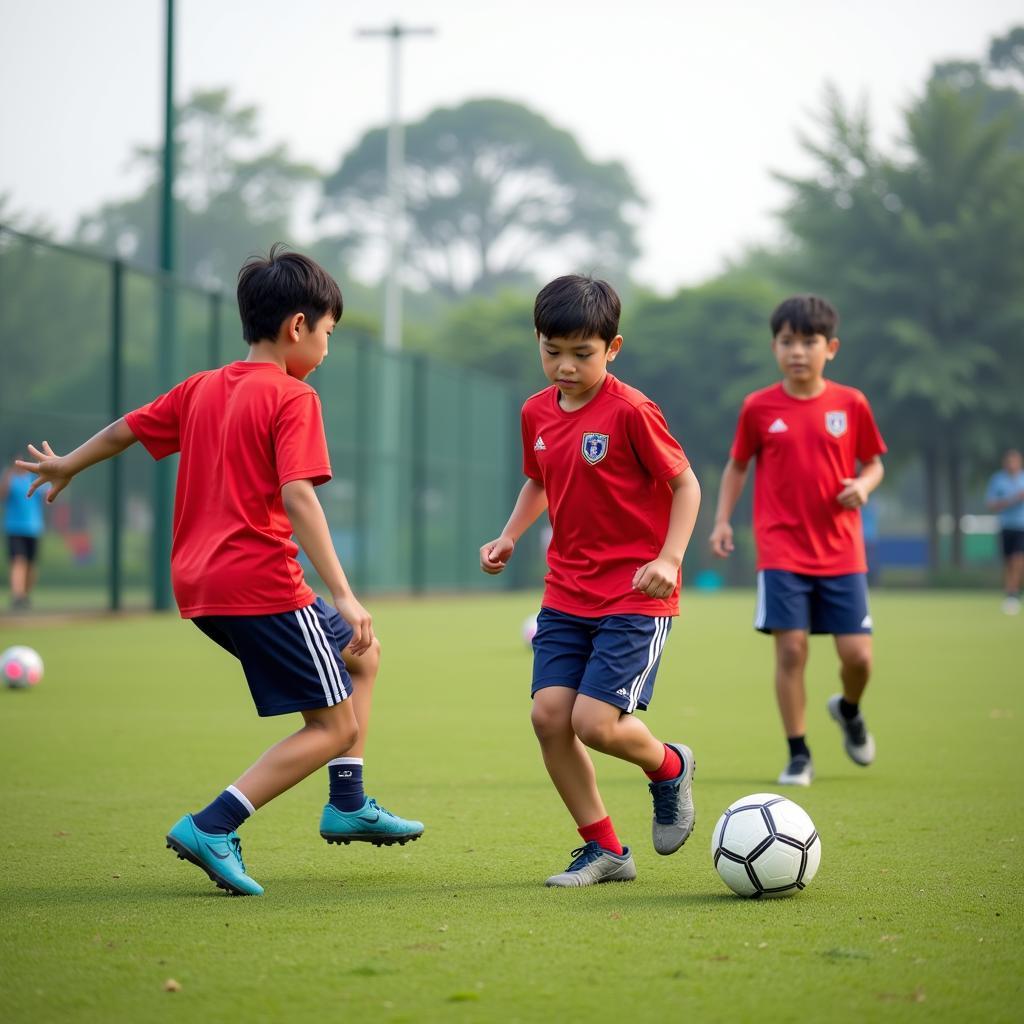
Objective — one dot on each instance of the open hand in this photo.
(50, 468)
(360, 621)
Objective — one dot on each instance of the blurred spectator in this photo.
(1005, 497)
(23, 525)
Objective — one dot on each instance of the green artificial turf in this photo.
(916, 912)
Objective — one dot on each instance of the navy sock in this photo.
(225, 814)
(346, 775)
(848, 710)
(798, 746)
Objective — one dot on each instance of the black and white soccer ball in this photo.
(765, 845)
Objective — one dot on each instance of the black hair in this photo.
(278, 286)
(577, 307)
(805, 314)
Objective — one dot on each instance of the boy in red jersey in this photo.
(622, 501)
(252, 447)
(818, 455)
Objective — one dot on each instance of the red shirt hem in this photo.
(622, 606)
(272, 608)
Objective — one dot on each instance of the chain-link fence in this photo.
(425, 456)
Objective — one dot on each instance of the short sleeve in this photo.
(869, 439)
(995, 490)
(300, 445)
(658, 451)
(158, 424)
(531, 467)
(746, 444)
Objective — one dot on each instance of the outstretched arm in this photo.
(659, 578)
(59, 470)
(309, 523)
(733, 478)
(532, 500)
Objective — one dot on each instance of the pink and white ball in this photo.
(529, 629)
(20, 668)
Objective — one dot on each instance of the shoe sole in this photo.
(600, 881)
(184, 853)
(368, 837)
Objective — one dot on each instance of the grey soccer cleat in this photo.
(859, 743)
(593, 864)
(799, 771)
(674, 815)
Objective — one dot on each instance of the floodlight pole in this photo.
(395, 168)
(161, 547)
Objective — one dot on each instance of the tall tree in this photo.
(924, 253)
(234, 197)
(492, 191)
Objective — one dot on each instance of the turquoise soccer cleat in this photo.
(220, 856)
(370, 824)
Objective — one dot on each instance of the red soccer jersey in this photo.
(804, 449)
(604, 469)
(243, 431)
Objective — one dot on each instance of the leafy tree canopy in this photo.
(492, 192)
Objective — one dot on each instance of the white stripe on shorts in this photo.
(320, 638)
(661, 625)
(316, 660)
(761, 607)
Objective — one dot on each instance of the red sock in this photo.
(671, 766)
(603, 833)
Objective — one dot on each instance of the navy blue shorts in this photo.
(818, 604)
(19, 546)
(613, 659)
(1013, 543)
(292, 660)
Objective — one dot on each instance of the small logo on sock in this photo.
(344, 775)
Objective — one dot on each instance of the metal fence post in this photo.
(417, 449)
(361, 463)
(213, 337)
(116, 410)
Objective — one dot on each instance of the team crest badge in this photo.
(595, 447)
(835, 423)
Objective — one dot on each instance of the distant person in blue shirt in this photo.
(1005, 497)
(23, 524)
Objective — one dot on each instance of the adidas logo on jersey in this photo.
(539, 445)
(778, 427)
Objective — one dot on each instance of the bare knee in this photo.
(594, 732)
(857, 660)
(791, 651)
(550, 724)
(364, 667)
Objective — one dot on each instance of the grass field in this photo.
(916, 913)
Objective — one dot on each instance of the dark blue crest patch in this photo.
(595, 447)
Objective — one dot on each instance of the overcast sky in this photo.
(701, 100)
